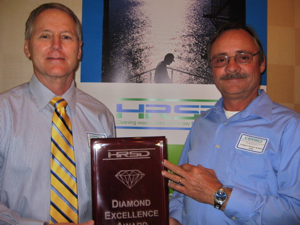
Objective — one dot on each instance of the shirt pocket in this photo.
(249, 169)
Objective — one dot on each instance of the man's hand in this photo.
(173, 221)
(91, 222)
(196, 182)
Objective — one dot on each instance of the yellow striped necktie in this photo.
(63, 201)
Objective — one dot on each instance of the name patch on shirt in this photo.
(91, 135)
(252, 143)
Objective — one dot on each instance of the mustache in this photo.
(229, 76)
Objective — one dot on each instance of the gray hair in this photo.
(34, 14)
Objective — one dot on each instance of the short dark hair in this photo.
(34, 14)
(236, 26)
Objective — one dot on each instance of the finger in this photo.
(176, 169)
(179, 182)
(177, 187)
(91, 222)
(173, 221)
(172, 176)
(187, 167)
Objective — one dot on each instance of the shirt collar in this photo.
(261, 106)
(43, 95)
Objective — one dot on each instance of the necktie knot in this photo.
(59, 102)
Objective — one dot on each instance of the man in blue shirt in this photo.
(53, 41)
(240, 162)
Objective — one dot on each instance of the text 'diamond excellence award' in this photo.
(127, 185)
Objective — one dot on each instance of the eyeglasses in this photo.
(240, 58)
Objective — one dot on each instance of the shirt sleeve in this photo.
(175, 206)
(282, 208)
(8, 217)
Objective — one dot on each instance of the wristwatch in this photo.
(220, 197)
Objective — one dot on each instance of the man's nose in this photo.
(232, 66)
(56, 43)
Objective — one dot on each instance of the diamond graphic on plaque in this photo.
(129, 177)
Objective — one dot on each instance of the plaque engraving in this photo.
(127, 185)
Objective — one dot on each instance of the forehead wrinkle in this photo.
(234, 40)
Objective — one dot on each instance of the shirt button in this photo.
(233, 218)
(225, 123)
(217, 146)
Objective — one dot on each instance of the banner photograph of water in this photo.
(162, 41)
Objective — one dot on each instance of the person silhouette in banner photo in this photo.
(161, 72)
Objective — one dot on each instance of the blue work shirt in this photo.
(256, 152)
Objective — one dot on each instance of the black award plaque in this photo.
(127, 185)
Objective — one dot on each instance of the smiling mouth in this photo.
(230, 76)
(55, 58)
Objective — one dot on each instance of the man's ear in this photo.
(80, 50)
(26, 49)
(263, 65)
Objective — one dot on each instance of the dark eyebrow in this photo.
(237, 52)
(220, 54)
(51, 31)
(45, 30)
(241, 51)
(67, 31)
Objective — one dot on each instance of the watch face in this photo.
(221, 195)
(220, 198)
